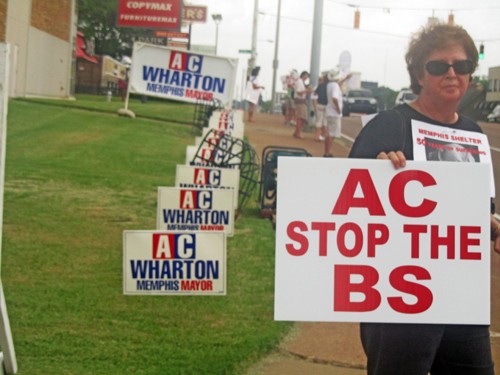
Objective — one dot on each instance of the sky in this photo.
(377, 48)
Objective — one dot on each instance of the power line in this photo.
(478, 40)
(389, 8)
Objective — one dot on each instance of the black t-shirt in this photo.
(391, 131)
(321, 92)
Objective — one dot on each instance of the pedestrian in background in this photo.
(333, 111)
(440, 60)
(253, 92)
(320, 101)
(289, 85)
(300, 98)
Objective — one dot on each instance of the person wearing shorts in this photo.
(333, 111)
(320, 100)
(301, 92)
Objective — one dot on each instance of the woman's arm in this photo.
(495, 233)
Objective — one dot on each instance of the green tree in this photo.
(386, 97)
(97, 21)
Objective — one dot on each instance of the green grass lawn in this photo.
(154, 108)
(75, 179)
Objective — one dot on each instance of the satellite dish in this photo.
(345, 62)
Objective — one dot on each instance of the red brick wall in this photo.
(52, 16)
(3, 19)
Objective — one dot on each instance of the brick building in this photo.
(96, 74)
(42, 36)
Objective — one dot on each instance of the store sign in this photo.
(194, 14)
(154, 14)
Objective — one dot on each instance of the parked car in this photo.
(360, 101)
(405, 96)
(494, 116)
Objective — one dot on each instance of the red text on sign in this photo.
(371, 201)
(398, 279)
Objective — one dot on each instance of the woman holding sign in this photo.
(440, 60)
(253, 92)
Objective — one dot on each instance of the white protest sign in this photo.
(432, 142)
(376, 244)
(195, 210)
(187, 176)
(172, 263)
(181, 75)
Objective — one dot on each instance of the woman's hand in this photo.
(495, 233)
(397, 158)
(496, 245)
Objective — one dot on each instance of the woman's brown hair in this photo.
(431, 38)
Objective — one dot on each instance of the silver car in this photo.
(405, 96)
(494, 116)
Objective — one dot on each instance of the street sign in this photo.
(245, 51)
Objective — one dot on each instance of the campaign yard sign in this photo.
(173, 263)
(221, 139)
(224, 144)
(181, 75)
(191, 154)
(187, 176)
(225, 155)
(229, 122)
(373, 243)
(195, 210)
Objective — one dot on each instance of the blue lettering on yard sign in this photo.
(182, 61)
(174, 246)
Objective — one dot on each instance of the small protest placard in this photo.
(431, 142)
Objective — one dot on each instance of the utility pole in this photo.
(316, 40)
(253, 56)
(316, 46)
(275, 61)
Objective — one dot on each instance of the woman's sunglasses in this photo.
(438, 68)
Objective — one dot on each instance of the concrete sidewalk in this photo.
(318, 349)
(311, 348)
(329, 348)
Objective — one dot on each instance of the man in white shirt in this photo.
(300, 96)
(253, 92)
(333, 111)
